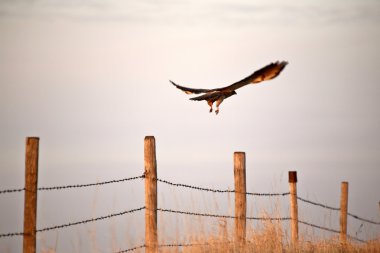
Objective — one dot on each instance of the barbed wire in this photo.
(182, 212)
(178, 212)
(338, 209)
(328, 229)
(320, 227)
(362, 219)
(11, 234)
(88, 185)
(318, 204)
(12, 190)
(90, 220)
(132, 249)
(217, 190)
(74, 185)
(183, 245)
(220, 215)
(76, 223)
(194, 244)
(172, 245)
(355, 238)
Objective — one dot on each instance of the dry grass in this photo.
(266, 237)
(270, 238)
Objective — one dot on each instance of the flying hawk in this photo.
(218, 95)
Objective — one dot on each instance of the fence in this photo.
(150, 175)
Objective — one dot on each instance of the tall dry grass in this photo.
(269, 238)
(263, 237)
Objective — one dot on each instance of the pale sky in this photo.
(91, 79)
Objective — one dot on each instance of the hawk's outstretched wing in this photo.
(190, 90)
(266, 73)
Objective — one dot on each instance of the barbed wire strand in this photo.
(194, 244)
(362, 219)
(11, 234)
(132, 249)
(172, 245)
(76, 223)
(183, 245)
(328, 229)
(12, 190)
(90, 220)
(220, 215)
(217, 190)
(338, 209)
(73, 186)
(318, 204)
(355, 238)
(319, 227)
(88, 185)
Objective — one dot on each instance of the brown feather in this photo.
(266, 73)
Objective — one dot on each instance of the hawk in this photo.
(219, 94)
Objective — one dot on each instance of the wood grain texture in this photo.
(240, 197)
(293, 206)
(150, 173)
(30, 199)
(343, 212)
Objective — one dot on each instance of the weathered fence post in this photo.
(30, 199)
(293, 206)
(150, 173)
(240, 197)
(343, 212)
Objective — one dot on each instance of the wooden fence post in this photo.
(240, 197)
(30, 199)
(150, 173)
(293, 206)
(343, 212)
